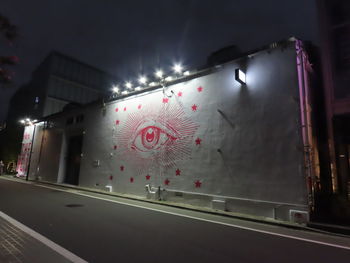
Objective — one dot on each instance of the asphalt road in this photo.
(102, 231)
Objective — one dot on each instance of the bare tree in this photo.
(10, 33)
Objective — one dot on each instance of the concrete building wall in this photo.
(208, 141)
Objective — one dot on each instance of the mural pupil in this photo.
(150, 137)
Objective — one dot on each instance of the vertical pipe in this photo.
(305, 121)
(30, 153)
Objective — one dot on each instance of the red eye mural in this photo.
(155, 137)
(151, 135)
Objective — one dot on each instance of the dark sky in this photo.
(126, 37)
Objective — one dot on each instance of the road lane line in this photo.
(60, 250)
(206, 220)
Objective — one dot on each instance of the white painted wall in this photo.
(238, 143)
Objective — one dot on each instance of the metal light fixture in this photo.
(169, 78)
(142, 80)
(128, 85)
(115, 89)
(240, 76)
(27, 121)
(159, 73)
(177, 68)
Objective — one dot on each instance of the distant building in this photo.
(59, 81)
(334, 20)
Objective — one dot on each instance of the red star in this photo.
(131, 179)
(111, 177)
(178, 172)
(166, 182)
(122, 168)
(165, 100)
(117, 122)
(179, 94)
(148, 177)
(124, 108)
(194, 107)
(198, 184)
(139, 107)
(198, 141)
(116, 109)
(115, 147)
(200, 89)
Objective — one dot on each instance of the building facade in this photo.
(334, 20)
(205, 139)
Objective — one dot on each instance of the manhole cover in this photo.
(74, 205)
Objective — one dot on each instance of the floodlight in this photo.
(177, 68)
(187, 73)
(152, 84)
(128, 85)
(169, 78)
(240, 76)
(124, 92)
(115, 89)
(159, 73)
(142, 80)
(138, 88)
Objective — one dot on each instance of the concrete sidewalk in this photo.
(18, 246)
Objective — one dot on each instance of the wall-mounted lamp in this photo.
(240, 76)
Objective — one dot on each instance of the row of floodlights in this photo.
(27, 121)
(143, 81)
(240, 76)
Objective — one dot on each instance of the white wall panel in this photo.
(249, 135)
(209, 136)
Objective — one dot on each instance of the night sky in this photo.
(125, 38)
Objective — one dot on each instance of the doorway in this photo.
(75, 144)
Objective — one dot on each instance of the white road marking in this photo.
(206, 220)
(60, 250)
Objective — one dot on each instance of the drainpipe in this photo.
(30, 155)
(306, 127)
(41, 148)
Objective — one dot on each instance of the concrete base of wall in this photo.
(276, 211)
